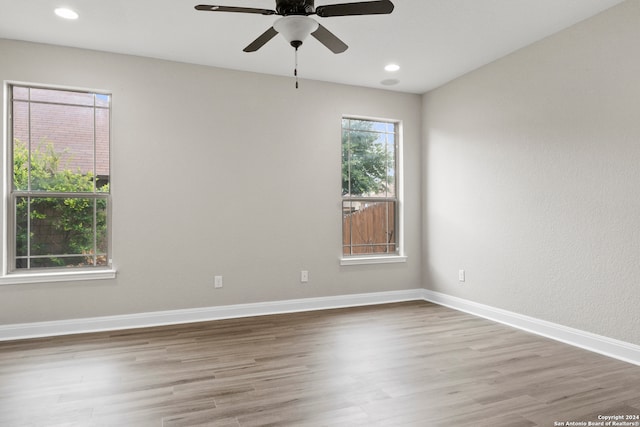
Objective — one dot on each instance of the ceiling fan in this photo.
(295, 24)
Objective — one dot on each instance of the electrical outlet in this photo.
(461, 275)
(304, 276)
(217, 282)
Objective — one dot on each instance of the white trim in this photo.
(172, 317)
(373, 260)
(400, 188)
(6, 177)
(610, 347)
(17, 277)
(616, 349)
(57, 276)
(399, 152)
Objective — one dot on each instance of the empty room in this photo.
(298, 213)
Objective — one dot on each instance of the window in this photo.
(370, 188)
(57, 209)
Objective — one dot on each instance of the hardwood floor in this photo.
(406, 364)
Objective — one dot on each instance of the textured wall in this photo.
(532, 172)
(217, 172)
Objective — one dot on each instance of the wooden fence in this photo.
(369, 229)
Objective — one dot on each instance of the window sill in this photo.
(58, 276)
(393, 259)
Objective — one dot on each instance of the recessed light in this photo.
(66, 13)
(392, 67)
(390, 82)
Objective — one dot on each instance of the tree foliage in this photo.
(366, 162)
(56, 225)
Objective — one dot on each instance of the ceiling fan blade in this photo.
(261, 41)
(381, 7)
(327, 38)
(213, 8)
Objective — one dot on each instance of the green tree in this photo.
(365, 161)
(56, 225)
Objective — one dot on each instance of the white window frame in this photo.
(387, 258)
(7, 276)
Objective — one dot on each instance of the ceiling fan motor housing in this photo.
(294, 7)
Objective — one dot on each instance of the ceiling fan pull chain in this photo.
(295, 70)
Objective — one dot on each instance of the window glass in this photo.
(61, 173)
(369, 187)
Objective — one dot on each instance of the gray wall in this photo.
(532, 179)
(217, 172)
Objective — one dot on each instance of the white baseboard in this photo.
(597, 343)
(173, 317)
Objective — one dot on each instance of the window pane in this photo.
(20, 92)
(366, 164)
(62, 232)
(20, 131)
(22, 226)
(380, 126)
(61, 148)
(368, 227)
(102, 100)
(390, 147)
(356, 124)
(61, 226)
(346, 174)
(102, 242)
(102, 148)
(368, 159)
(61, 96)
(347, 210)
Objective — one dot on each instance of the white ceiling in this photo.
(434, 41)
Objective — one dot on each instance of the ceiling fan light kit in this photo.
(296, 25)
(295, 28)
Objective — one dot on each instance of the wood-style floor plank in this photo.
(406, 364)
